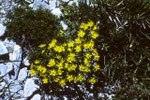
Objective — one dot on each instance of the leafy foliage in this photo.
(124, 41)
(70, 63)
(29, 28)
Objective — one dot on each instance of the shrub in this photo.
(67, 63)
(30, 27)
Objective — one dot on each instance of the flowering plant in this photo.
(69, 62)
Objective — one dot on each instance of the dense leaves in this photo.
(123, 43)
(29, 27)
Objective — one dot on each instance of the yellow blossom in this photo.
(52, 44)
(59, 49)
(73, 67)
(95, 27)
(42, 45)
(92, 32)
(86, 46)
(60, 64)
(88, 55)
(66, 65)
(92, 80)
(78, 40)
(36, 61)
(60, 72)
(44, 70)
(75, 79)
(81, 33)
(32, 71)
(80, 78)
(91, 44)
(90, 24)
(53, 72)
(64, 45)
(69, 78)
(51, 63)
(71, 57)
(39, 68)
(62, 82)
(69, 49)
(96, 57)
(45, 80)
(96, 67)
(86, 62)
(56, 79)
(78, 48)
(58, 57)
(83, 68)
(95, 35)
(84, 26)
(70, 44)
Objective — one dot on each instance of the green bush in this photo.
(29, 28)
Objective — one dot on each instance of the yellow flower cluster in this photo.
(69, 62)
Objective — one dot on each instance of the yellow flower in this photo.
(36, 61)
(95, 27)
(95, 35)
(96, 67)
(64, 44)
(81, 33)
(60, 72)
(52, 44)
(86, 62)
(73, 67)
(69, 49)
(91, 44)
(42, 45)
(92, 32)
(62, 82)
(51, 63)
(90, 24)
(58, 57)
(32, 71)
(96, 57)
(44, 70)
(45, 80)
(71, 57)
(60, 64)
(53, 72)
(75, 79)
(39, 68)
(78, 40)
(78, 48)
(80, 78)
(66, 65)
(59, 49)
(56, 79)
(92, 80)
(84, 26)
(70, 44)
(86, 46)
(83, 68)
(69, 78)
(88, 55)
